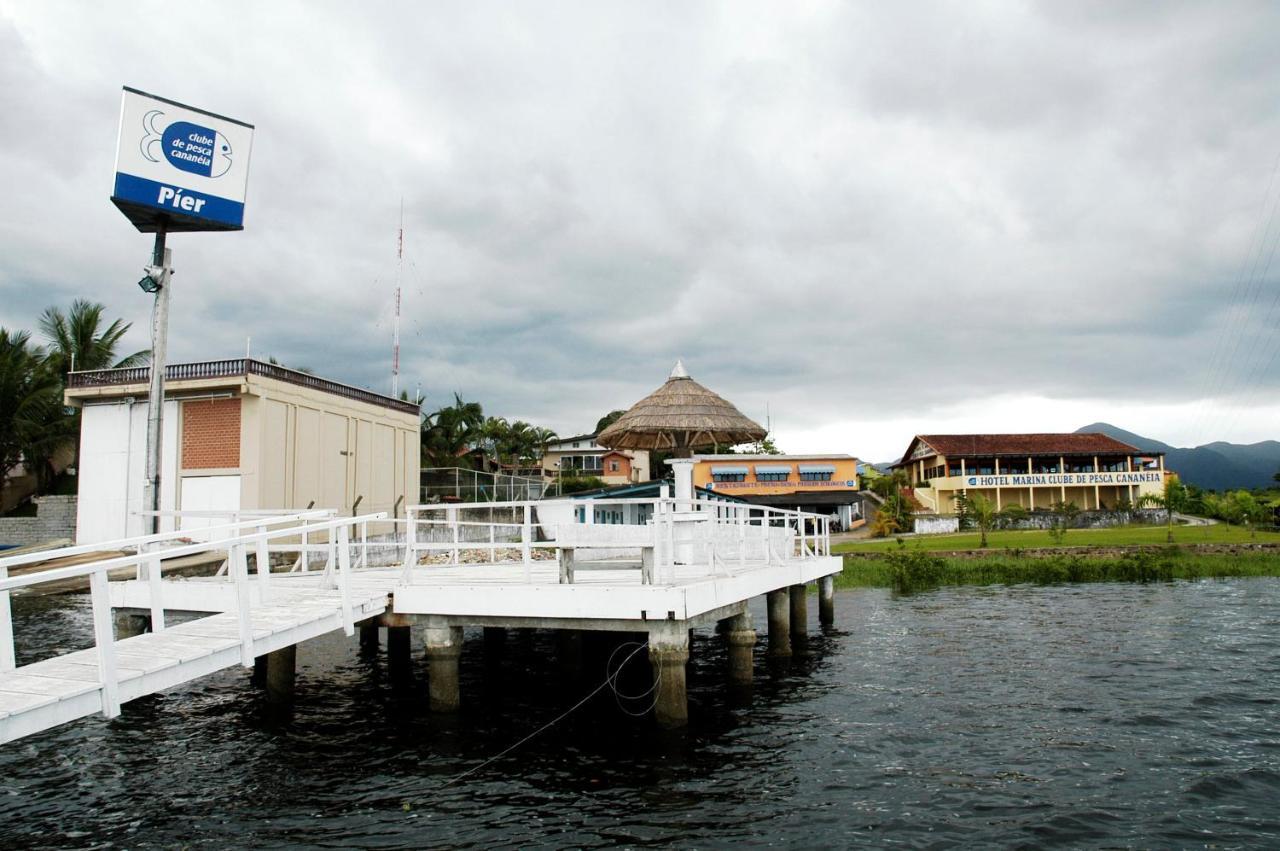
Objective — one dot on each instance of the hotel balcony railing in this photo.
(231, 369)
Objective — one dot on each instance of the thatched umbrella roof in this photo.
(680, 416)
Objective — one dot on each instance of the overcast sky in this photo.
(870, 220)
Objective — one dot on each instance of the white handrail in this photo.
(158, 537)
(98, 571)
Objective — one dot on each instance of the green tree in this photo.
(78, 341)
(1242, 508)
(764, 446)
(31, 407)
(450, 431)
(897, 511)
(1011, 515)
(1062, 517)
(608, 420)
(983, 512)
(1172, 499)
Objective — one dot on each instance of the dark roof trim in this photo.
(231, 369)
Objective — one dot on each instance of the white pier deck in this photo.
(44, 694)
(704, 570)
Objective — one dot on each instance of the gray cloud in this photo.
(843, 212)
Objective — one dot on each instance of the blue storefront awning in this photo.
(817, 468)
(728, 471)
(773, 468)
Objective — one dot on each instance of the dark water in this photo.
(1091, 715)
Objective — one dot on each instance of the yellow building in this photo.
(824, 484)
(1094, 471)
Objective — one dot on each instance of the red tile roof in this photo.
(990, 445)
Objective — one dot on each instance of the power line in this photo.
(1218, 367)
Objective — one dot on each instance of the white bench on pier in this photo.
(571, 537)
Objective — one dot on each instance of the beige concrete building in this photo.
(1094, 471)
(240, 434)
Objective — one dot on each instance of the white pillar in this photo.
(685, 514)
(682, 473)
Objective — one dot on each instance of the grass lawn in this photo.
(914, 570)
(1219, 533)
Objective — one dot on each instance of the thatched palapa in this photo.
(680, 416)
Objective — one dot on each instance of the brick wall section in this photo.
(210, 434)
(55, 518)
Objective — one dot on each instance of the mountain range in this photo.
(1214, 466)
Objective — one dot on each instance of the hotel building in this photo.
(1094, 471)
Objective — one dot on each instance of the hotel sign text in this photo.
(804, 486)
(1030, 479)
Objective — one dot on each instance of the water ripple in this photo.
(1095, 715)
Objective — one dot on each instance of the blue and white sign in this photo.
(179, 164)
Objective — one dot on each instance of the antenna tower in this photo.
(395, 339)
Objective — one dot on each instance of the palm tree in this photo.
(77, 340)
(1172, 499)
(30, 405)
(451, 430)
(543, 436)
(983, 512)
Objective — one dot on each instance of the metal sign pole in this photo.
(155, 395)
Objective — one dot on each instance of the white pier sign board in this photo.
(181, 165)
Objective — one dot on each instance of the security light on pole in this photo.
(157, 278)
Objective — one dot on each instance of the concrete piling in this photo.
(444, 647)
(398, 645)
(569, 651)
(129, 625)
(827, 600)
(369, 633)
(281, 672)
(779, 624)
(495, 639)
(669, 654)
(741, 637)
(799, 612)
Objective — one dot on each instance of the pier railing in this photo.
(714, 534)
(238, 540)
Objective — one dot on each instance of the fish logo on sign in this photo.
(186, 146)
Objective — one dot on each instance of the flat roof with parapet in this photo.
(82, 385)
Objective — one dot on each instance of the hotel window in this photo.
(954, 469)
(729, 474)
(1079, 467)
(1044, 465)
(982, 467)
(772, 473)
(817, 472)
